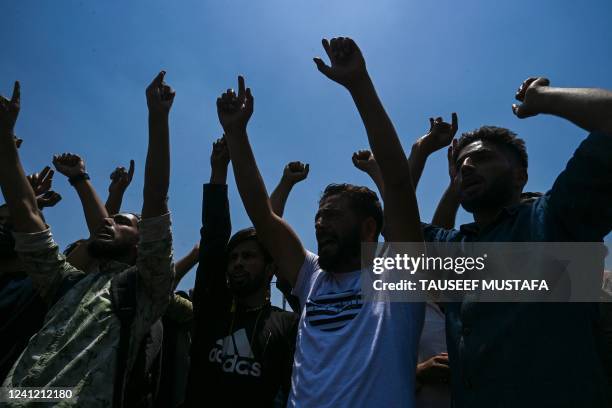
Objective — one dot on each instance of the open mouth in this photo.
(105, 233)
(470, 186)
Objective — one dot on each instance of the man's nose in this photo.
(109, 221)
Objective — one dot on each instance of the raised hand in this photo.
(348, 66)
(364, 160)
(69, 164)
(41, 182)
(235, 110)
(527, 94)
(440, 134)
(295, 172)
(9, 110)
(219, 158)
(48, 199)
(121, 178)
(159, 96)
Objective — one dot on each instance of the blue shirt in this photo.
(535, 354)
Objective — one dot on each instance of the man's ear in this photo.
(368, 230)
(520, 178)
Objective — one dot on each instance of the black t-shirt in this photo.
(238, 358)
(249, 356)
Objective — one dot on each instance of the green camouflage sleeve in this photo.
(44, 263)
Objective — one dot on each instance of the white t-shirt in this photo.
(351, 353)
(433, 342)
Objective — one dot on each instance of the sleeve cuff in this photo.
(155, 228)
(32, 242)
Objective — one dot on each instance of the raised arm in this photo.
(348, 68)
(588, 108)
(154, 259)
(446, 211)
(16, 189)
(293, 173)
(579, 202)
(365, 161)
(185, 264)
(120, 180)
(157, 168)
(73, 167)
(440, 135)
(33, 240)
(279, 239)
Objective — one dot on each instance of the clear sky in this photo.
(84, 66)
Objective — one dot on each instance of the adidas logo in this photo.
(235, 355)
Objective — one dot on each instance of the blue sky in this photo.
(84, 66)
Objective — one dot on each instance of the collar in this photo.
(472, 228)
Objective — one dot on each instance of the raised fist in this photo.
(159, 95)
(235, 110)
(121, 178)
(364, 160)
(9, 110)
(347, 64)
(295, 172)
(527, 94)
(69, 164)
(220, 153)
(440, 134)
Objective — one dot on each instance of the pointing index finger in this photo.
(16, 98)
(241, 87)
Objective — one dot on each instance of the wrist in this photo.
(218, 176)
(420, 149)
(363, 83)
(78, 178)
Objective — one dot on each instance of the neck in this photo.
(350, 265)
(255, 299)
(486, 216)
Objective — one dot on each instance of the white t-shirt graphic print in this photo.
(351, 353)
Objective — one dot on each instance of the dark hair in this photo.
(245, 235)
(363, 200)
(502, 137)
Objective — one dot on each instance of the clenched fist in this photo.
(528, 95)
(295, 172)
(69, 164)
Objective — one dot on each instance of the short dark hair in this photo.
(363, 200)
(502, 137)
(246, 235)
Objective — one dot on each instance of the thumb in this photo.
(322, 67)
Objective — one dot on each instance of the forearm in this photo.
(157, 168)
(279, 196)
(184, 265)
(588, 108)
(248, 179)
(94, 210)
(218, 175)
(418, 158)
(447, 208)
(16, 189)
(113, 202)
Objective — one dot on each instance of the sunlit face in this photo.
(247, 269)
(485, 176)
(116, 237)
(338, 232)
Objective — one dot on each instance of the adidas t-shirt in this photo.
(351, 353)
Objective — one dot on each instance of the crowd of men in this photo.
(103, 317)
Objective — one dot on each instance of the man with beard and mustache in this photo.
(496, 349)
(242, 352)
(349, 351)
(77, 347)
